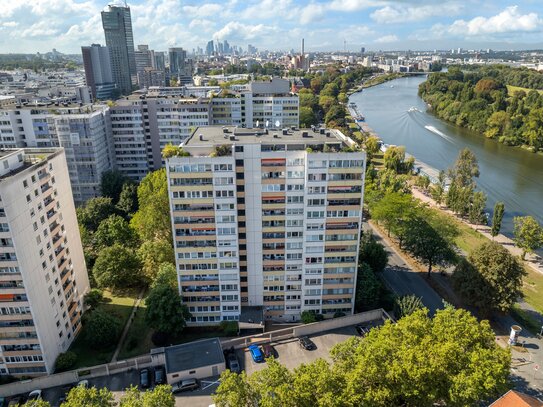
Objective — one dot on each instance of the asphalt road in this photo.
(404, 281)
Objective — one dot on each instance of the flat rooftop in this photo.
(216, 135)
(193, 355)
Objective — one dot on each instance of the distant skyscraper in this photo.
(98, 73)
(226, 47)
(210, 48)
(362, 50)
(251, 50)
(177, 60)
(159, 60)
(117, 25)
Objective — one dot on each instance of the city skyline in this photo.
(39, 26)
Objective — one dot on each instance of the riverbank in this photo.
(374, 81)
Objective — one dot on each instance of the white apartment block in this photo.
(83, 131)
(142, 126)
(43, 276)
(273, 225)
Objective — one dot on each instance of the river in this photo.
(508, 174)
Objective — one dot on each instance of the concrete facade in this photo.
(43, 276)
(275, 222)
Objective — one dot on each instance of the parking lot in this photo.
(288, 352)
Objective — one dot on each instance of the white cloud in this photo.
(10, 24)
(239, 31)
(509, 20)
(387, 39)
(402, 14)
(40, 29)
(202, 24)
(204, 10)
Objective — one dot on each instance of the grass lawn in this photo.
(533, 289)
(138, 339)
(119, 305)
(512, 89)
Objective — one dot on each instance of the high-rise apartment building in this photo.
(142, 126)
(83, 131)
(210, 48)
(117, 25)
(266, 219)
(43, 276)
(98, 71)
(151, 77)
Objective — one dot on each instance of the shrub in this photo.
(230, 328)
(160, 338)
(94, 297)
(102, 329)
(65, 361)
(308, 317)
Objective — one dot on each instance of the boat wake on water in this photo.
(439, 133)
(413, 109)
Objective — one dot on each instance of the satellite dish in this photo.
(277, 123)
(257, 123)
(267, 123)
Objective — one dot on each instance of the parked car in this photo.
(185, 385)
(159, 375)
(256, 353)
(268, 351)
(233, 363)
(83, 383)
(145, 379)
(306, 343)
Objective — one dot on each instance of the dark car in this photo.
(306, 343)
(160, 377)
(185, 385)
(268, 351)
(233, 363)
(145, 379)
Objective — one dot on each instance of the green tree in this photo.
(462, 185)
(111, 184)
(394, 158)
(65, 361)
(372, 145)
(160, 396)
(396, 210)
(117, 267)
(115, 230)
(89, 397)
(438, 190)
(152, 254)
(372, 253)
(369, 289)
(428, 245)
(152, 220)
(307, 117)
(490, 279)
(101, 329)
(497, 218)
(308, 317)
(528, 234)
(406, 305)
(476, 213)
(423, 182)
(128, 200)
(94, 212)
(94, 297)
(167, 275)
(330, 89)
(450, 359)
(164, 311)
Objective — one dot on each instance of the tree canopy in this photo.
(450, 359)
(164, 312)
(490, 278)
(528, 234)
(117, 267)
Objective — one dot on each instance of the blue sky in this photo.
(39, 25)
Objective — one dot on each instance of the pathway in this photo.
(402, 277)
(127, 326)
(532, 260)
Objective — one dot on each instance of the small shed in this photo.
(194, 360)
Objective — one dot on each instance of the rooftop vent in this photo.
(275, 136)
(201, 136)
(327, 134)
(305, 134)
(293, 128)
(285, 132)
(321, 131)
(232, 138)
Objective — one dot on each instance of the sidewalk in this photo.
(127, 327)
(532, 260)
